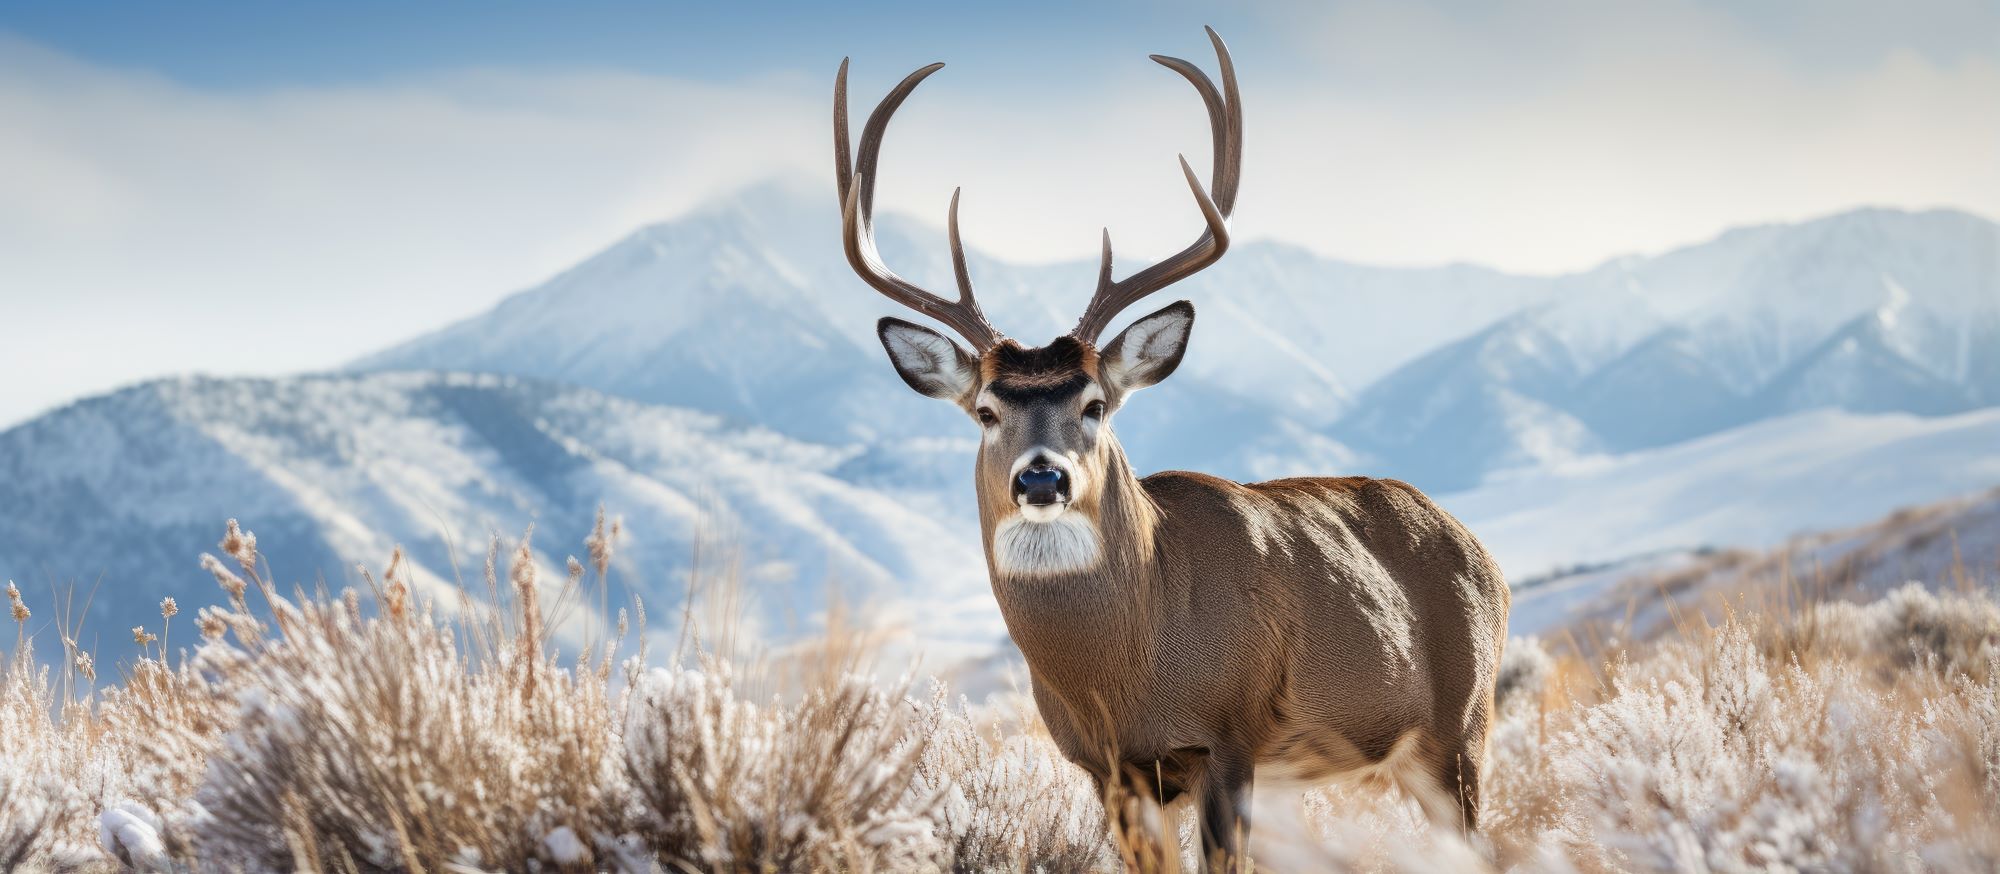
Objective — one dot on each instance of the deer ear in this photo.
(929, 361)
(1148, 350)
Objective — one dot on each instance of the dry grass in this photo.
(337, 735)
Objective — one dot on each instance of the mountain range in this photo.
(1438, 375)
(715, 380)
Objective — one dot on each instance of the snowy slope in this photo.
(1485, 402)
(1752, 486)
(1658, 392)
(333, 471)
(1863, 367)
(716, 311)
(1942, 545)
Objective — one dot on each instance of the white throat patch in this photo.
(1066, 544)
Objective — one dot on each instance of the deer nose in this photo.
(1042, 484)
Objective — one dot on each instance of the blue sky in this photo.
(312, 180)
(228, 45)
(235, 44)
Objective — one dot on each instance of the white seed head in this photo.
(240, 545)
(600, 543)
(224, 577)
(211, 624)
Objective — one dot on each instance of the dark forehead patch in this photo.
(1059, 370)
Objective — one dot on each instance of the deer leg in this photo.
(1225, 811)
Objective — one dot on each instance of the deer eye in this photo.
(987, 417)
(1093, 410)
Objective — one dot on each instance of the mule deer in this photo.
(1208, 632)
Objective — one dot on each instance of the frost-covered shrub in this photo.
(1515, 777)
(730, 785)
(1910, 626)
(1008, 800)
(1713, 756)
(1525, 667)
(34, 815)
(375, 742)
(30, 819)
(60, 764)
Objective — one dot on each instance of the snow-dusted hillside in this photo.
(121, 492)
(1752, 486)
(1951, 544)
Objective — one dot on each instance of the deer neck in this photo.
(1073, 621)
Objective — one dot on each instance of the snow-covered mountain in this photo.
(120, 493)
(1749, 486)
(1439, 375)
(1867, 311)
(1491, 400)
(748, 309)
(1279, 325)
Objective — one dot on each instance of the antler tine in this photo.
(843, 163)
(1225, 119)
(958, 270)
(856, 183)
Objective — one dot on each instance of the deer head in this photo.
(1047, 456)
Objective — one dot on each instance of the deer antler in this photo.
(857, 199)
(1225, 119)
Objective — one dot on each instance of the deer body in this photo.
(1311, 630)
(1185, 634)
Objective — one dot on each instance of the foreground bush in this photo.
(319, 733)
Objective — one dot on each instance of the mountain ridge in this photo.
(748, 309)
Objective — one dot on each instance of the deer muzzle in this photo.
(1041, 485)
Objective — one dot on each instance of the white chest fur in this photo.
(1065, 544)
